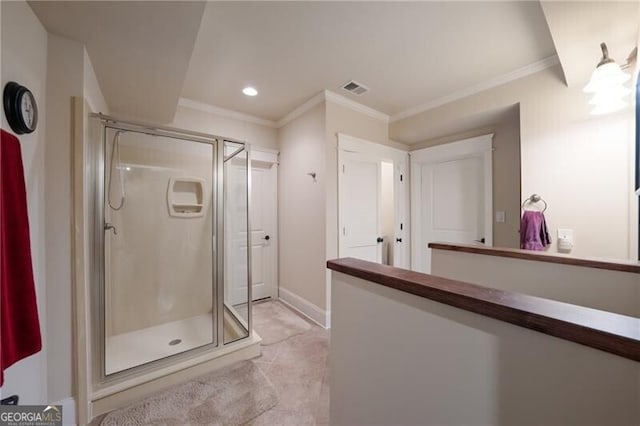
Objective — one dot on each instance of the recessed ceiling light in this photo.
(249, 91)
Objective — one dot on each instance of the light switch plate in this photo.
(501, 217)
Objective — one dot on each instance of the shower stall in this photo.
(170, 266)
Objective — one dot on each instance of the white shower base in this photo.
(127, 350)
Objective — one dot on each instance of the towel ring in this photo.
(535, 198)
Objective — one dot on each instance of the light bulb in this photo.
(606, 76)
(250, 91)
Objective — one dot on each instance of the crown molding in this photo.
(481, 87)
(223, 112)
(329, 96)
(298, 111)
(356, 106)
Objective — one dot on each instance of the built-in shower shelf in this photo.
(188, 208)
(185, 197)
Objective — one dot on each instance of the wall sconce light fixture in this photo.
(607, 84)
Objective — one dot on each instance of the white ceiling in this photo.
(407, 53)
(148, 54)
(140, 50)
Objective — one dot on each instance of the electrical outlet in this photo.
(565, 240)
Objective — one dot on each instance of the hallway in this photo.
(295, 364)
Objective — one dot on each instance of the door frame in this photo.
(400, 159)
(270, 156)
(479, 146)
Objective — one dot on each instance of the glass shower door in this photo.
(236, 240)
(158, 248)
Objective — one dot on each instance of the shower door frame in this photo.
(98, 311)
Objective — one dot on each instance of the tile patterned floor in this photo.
(297, 368)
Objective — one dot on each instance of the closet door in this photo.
(264, 238)
(360, 206)
(451, 197)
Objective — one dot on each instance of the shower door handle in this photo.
(109, 227)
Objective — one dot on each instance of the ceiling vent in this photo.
(355, 88)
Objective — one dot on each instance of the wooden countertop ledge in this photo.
(539, 256)
(607, 331)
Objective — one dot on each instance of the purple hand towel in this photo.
(533, 231)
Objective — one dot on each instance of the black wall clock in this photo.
(20, 108)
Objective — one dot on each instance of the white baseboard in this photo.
(302, 305)
(68, 411)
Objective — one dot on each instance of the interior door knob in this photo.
(266, 237)
(380, 239)
(398, 240)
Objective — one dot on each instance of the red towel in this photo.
(19, 325)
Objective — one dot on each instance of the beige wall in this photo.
(310, 143)
(579, 163)
(64, 80)
(342, 119)
(61, 69)
(24, 60)
(302, 206)
(404, 360)
(92, 92)
(612, 291)
(69, 74)
(506, 172)
(207, 122)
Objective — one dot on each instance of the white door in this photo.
(400, 238)
(263, 229)
(360, 211)
(263, 199)
(359, 201)
(451, 197)
(453, 202)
